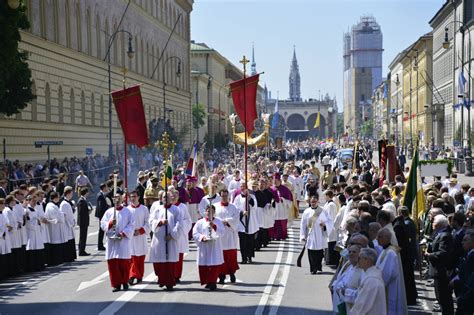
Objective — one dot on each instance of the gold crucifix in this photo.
(244, 62)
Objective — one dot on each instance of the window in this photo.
(89, 32)
(68, 24)
(60, 105)
(72, 104)
(83, 108)
(468, 11)
(34, 103)
(47, 102)
(102, 111)
(92, 110)
(79, 28)
(98, 37)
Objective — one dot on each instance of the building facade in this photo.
(67, 43)
(362, 60)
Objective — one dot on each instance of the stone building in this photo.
(67, 43)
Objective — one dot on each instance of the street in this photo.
(272, 284)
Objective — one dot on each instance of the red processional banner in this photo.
(129, 106)
(244, 95)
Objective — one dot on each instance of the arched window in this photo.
(68, 24)
(92, 109)
(60, 105)
(98, 37)
(34, 103)
(83, 108)
(102, 123)
(47, 102)
(89, 32)
(72, 104)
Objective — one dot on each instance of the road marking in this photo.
(92, 234)
(126, 297)
(268, 288)
(284, 278)
(86, 284)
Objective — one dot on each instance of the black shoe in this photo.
(212, 286)
(249, 260)
(313, 272)
(177, 280)
(221, 279)
(131, 280)
(232, 278)
(125, 286)
(84, 254)
(169, 288)
(244, 261)
(139, 281)
(116, 289)
(101, 248)
(207, 286)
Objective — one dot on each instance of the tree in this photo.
(199, 114)
(15, 78)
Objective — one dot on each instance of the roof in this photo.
(200, 46)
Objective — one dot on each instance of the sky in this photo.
(314, 27)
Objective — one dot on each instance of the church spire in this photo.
(253, 65)
(295, 89)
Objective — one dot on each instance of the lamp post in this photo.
(130, 54)
(446, 45)
(178, 74)
(397, 84)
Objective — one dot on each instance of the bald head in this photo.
(384, 236)
(359, 239)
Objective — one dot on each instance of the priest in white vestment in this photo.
(370, 298)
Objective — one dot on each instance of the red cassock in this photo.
(178, 270)
(137, 267)
(118, 271)
(166, 273)
(230, 265)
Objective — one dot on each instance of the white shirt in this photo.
(229, 214)
(33, 230)
(69, 219)
(118, 249)
(56, 225)
(209, 252)
(159, 245)
(206, 201)
(316, 237)
(140, 218)
(253, 225)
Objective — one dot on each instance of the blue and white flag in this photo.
(461, 84)
(276, 116)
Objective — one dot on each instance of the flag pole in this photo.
(125, 171)
(244, 62)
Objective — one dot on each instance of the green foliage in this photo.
(367, 128)
(449, 163)
(181, 135)
(15, 78)
(199, 114)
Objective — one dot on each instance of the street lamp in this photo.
(130, 54)
(178, 74)
(446, 45)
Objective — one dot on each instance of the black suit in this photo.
(3, 193)
(100, 209)
(141, 193)
(408, 261)
(340, 177)
(440, 260)
(464, 286)
(83, 222)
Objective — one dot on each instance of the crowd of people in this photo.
(356, 226)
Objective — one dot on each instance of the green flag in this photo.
(168, 174)
(414, 198)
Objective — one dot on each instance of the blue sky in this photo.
(315, 27)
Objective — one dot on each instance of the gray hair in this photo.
(441, 221)
(369, 253)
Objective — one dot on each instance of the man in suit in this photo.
(464, 281)
(83, 211)
(338, 178)
(103, 204)
(140, 189)
(439, 256)
(3, 188)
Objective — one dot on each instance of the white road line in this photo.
(126, 297)
(271, 280)
(284, 277)
(92, 234)
(86, 284)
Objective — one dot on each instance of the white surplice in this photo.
(11, 219)
(56, 225)
(331, 212)
(370, 298)
(44, 227)
(205, 201)
(118, 248)
(316, 237)
(20, 213)
(33, 230)
(184, 227)
(5, 244)
(230, 214)
(253, 225)
(139, 242)
(159, 245)
(69, 219)
(210, 252)
(389, 263)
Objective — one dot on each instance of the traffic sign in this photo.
(39, 144)
(89, 151)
